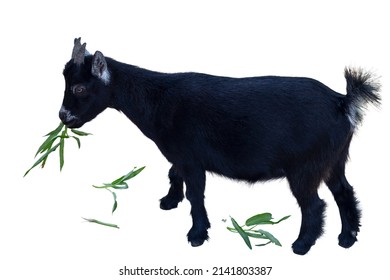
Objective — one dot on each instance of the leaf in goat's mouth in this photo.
(56, 139)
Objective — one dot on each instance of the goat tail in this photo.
(362, 89)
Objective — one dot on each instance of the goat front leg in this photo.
(175, 193)
(195, 183)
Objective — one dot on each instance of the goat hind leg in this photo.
(175, 193)
(348, 207)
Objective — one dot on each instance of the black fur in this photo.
(252, 129)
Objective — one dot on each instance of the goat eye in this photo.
(79, 90)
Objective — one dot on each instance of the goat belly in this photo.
(250, 173)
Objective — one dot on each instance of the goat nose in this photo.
(65, 116)
(62, 115)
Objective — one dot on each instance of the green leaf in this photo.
(259, 245)
(263, 219)
(105, 186)
(270, 237)
(128, 176)
(120, 182)
(101, 223)
(115, 202)
(57, 130)
(232, 229)
(243, 234)
(256, 235)
(114, 207)
(121, 186)
(282, 219)
(80, 133)
(259, 219)
(42, 158)
(133, 173)
(46, 145)
(117, 181)
(47, 148)
(62, 146)
(53, 135)
(249, 233)
(77, 140)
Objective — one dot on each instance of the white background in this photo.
(42, 235)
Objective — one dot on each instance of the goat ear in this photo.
(99, 67)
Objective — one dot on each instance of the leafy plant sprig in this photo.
(48, 146)
(117, 184)
(250, 229)
(120, 183)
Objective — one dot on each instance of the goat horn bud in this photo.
(78, 52)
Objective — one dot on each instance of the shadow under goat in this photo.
(252, 129)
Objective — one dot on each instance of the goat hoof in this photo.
(197, 243)
(300, 247)
(346, 240)
(167, 203)
(197, 238)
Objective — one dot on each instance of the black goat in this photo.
(252, 129)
